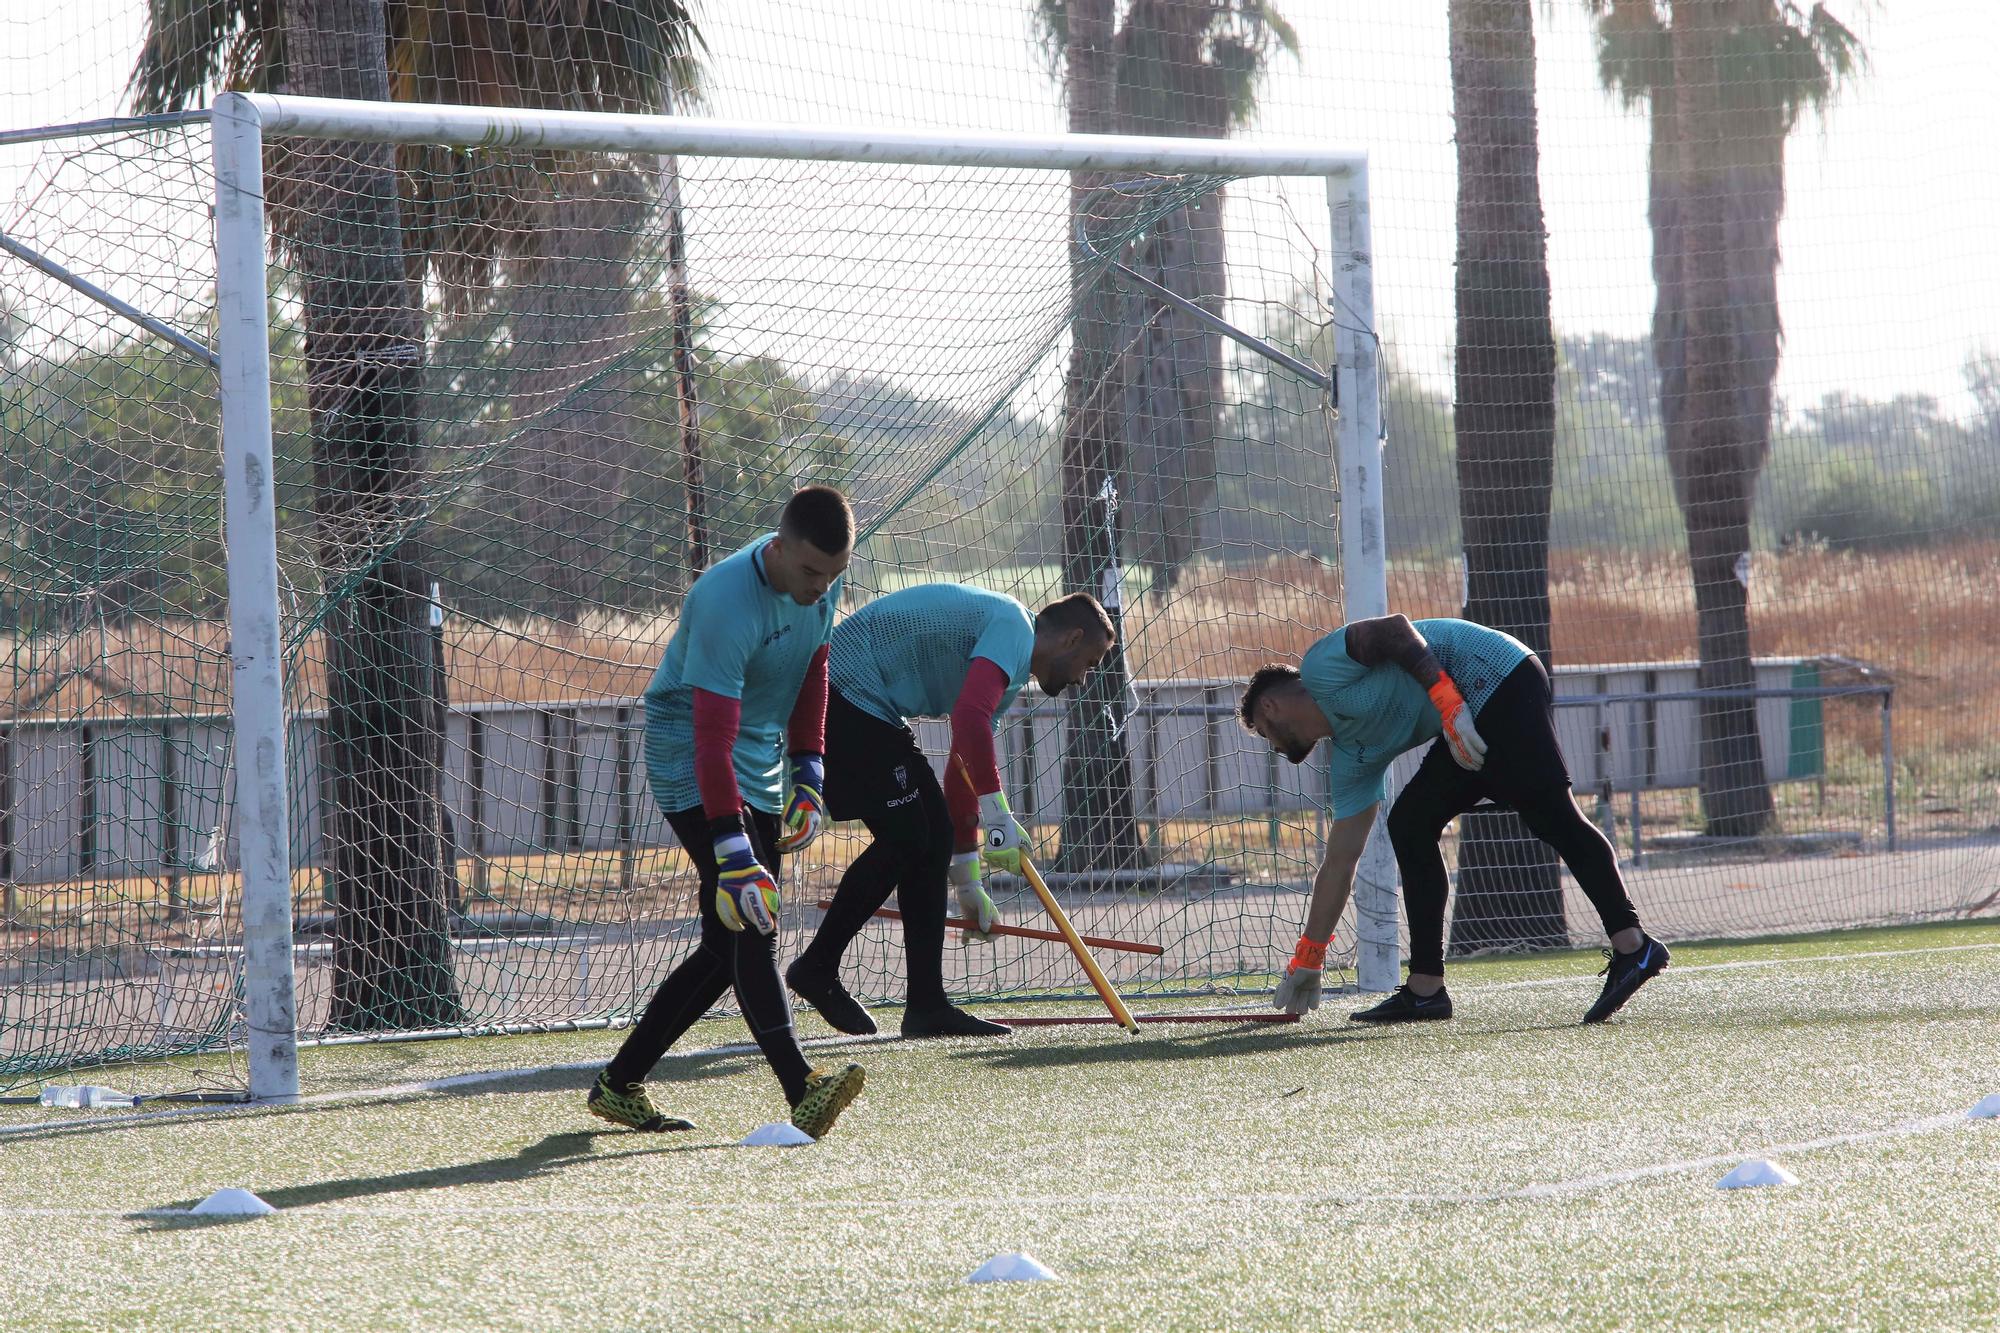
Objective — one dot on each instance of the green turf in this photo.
(1465, 1175)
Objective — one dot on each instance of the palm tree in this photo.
(1724, 82)
(1179, 67)
(1144, 385)
(364, 226)
(1504, 424)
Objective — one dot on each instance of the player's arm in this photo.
(1394, 641)
(721, 643)
(746, 893)
(973, 797)
(1298, 991)
(805, 741)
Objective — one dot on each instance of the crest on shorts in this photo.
(902, 776)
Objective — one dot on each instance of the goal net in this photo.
(519, 397)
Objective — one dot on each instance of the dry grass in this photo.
(1927, 618)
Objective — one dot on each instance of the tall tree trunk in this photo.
(687, 407)
(1725, 187)
(364, 361)
(1509, 892)
(572, 322)
(1167, 85)
(1099, 832)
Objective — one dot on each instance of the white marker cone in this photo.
(1012, 1266)
(778, 1134)
(232, 1203)
(1987, 1109)
(1757, 1171)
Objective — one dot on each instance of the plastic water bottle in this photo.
(85, 1097)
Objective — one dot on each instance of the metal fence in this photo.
(146, 796)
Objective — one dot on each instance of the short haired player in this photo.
(1376, 688)
(941, 649)
(741, 686)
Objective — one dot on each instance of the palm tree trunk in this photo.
(1504, 421)
(687, 406)
(1167, 84)
(1099, 832)
(364, 358)
(1725, 195)
(572, 321)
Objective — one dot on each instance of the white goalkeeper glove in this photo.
(1005, 839)
(973, 903)
(1298, 992)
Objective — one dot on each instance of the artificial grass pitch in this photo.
(1507, 1169)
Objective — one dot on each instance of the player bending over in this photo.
(742, 683)
(1362, 688)
(929, 651)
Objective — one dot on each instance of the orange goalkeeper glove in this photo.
(1468, 747)
(1298, 992)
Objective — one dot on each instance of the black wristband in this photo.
(723, 825)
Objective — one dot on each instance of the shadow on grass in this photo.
(555, 1152)
(1205, 1045)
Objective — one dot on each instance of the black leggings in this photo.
(1525, 773)
(876, 773)
(724, 958)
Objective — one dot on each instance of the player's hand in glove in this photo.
(1298, 992)
(805, 813)
(973, 904)
(1004, 836)
(1468, 747)
(746, 897)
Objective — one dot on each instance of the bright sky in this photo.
(1891, 272)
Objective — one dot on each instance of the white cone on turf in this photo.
(1757, 1171)
(1987, 1109)
(232, 1203)
(1012, 1266)
(778, 1134)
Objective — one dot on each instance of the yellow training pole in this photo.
(1098, 980)
(1105, 991)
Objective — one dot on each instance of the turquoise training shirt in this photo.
(1379, 712)
(905, 655)
(741, 638)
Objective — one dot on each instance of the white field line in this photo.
(1688, 969)
(460, 1081)
(453, 1083)
(1176, 1202)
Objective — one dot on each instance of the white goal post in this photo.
(243, 123)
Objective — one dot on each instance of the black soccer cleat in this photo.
(1406, 1006)
(946, 1020)
(1624, 973)
(823, 991)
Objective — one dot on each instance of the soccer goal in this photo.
(490, 387)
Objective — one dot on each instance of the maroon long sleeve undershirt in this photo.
(806, 732)
(717, 717)
(972, 742)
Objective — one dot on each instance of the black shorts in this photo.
(1518, 724)
(874, 769)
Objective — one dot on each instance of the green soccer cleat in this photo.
(827, 1095)
(632, 1108)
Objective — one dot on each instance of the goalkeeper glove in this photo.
(1298, 992)
(973, 903)
(745, 894)
(806, 811)
(1005, 838)
(1468, 747)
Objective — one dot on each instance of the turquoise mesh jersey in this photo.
(906, 655)
(1379, 712)
(741, 638)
